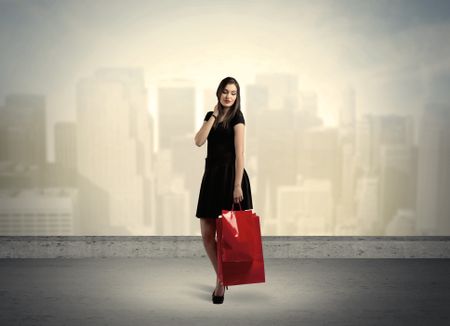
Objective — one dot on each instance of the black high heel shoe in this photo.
(218, 299)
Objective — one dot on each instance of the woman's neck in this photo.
(225, 111)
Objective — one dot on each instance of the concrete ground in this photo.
(177, 291)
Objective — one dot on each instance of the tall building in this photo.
(257, 100)
(114, 150)
(63, 172)
(66, 145)
(367, 206)
(176, 111)
(174, 212)
(433, 187)
(276, 157)
(385, 148)
(363, 143)
(397, 180)
(375, 131)
(23, 129)
(318, 156)
(347, 112)
(345, 207)
(189, 162)
(279, 113)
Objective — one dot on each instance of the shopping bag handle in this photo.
(232, 207)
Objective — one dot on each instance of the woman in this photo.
(225, 181)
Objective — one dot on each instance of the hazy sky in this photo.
(391, 52)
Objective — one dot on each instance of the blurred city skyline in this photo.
(365, 176)
(99, 105)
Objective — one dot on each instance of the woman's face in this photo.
(228, 96)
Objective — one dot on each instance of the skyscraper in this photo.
(65, 145)
(176, 111)
(433, 184)
(23, 129)
(114, 147)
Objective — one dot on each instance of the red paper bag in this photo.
(239, 248)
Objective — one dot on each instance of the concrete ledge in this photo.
(192, 246)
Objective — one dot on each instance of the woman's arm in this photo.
(239, 132)
(202, 134)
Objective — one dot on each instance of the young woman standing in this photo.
(225, 180)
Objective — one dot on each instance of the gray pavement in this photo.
(171, 291)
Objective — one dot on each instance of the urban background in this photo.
(347, 110)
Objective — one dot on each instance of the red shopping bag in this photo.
(239, 248)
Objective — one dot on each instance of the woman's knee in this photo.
(208, 229)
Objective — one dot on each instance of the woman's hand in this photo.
(216, 110)
(237, 194)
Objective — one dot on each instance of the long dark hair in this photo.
(236, 105)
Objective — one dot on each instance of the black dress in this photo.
(216, 190)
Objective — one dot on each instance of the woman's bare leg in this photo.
(208, 229)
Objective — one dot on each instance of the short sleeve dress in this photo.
(216, 190)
